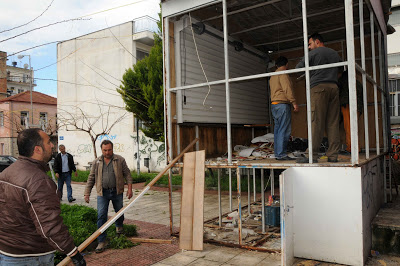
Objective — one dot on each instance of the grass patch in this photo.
(81, 223)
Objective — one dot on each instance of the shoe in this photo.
(345, 152)
(71, 200)
(100, 247)
(285, 158)
(119, 230)
(305, 160)
(333, 160)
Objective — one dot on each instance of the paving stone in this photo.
(245, 259)
(179, 260)
(223, 254)
(207, 248)
(204, 262)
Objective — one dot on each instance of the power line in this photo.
(29, 21)
(45, 26)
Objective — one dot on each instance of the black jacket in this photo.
(58, 164)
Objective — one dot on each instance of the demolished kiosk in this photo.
(217, 60)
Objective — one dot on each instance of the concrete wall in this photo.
(93, 66)
(3, 74)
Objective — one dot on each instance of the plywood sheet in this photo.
(191, 229)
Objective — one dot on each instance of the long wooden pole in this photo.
(132, 201)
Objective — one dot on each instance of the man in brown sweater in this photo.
(282, 98)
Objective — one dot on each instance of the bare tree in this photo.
(94, 125)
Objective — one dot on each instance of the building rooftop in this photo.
(37, 97)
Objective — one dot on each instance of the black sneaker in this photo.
(71, 199)
(286, 158)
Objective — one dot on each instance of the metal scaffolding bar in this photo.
(307, 68)
(383, 93)
(375, 86)
(364, 77)
(352, 80)
(258, 76)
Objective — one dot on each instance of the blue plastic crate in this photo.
(272, 215)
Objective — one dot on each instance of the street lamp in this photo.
(30, 82)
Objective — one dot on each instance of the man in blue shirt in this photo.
(63, 167)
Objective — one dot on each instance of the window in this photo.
(141, 55)
(20, 90)
(394, 90)
(1, 119)
(43, 120)
(24, 118)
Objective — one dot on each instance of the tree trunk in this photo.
(94, 145)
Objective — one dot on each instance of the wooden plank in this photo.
(150, 240)
(198, 206)
(186, 228)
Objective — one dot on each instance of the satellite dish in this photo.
(20, 56)
(26, 66)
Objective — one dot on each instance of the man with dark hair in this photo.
(63, 167)
(324, 98)
(282, 98)
(109, 173)
(31, 227)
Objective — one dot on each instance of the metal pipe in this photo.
(248, 192)
(228, 93)
(352, 80)
(239, 192)
(272, 182)
(230, 189)
(219, 198)
(258, 76)
(364, 78)
(381, 71)
(165, 91)
(262, 201)
(385, 174)
(390, 180)
(307, 67)
(31, 88)
(374, 77)
(369, 78)
(254, 185)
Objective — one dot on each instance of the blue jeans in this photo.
(44, 260)
(282, 128)
(65, 177)
(102, 209)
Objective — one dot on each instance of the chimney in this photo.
(3, 75)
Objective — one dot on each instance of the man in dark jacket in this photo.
(31, 227)
(63, 166)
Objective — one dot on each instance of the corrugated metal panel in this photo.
(249, 100)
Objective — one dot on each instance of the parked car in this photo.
(6, 161)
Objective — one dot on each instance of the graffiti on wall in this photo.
(151, 148)
(109, 137)
(84, 148)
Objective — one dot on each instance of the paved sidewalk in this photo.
(153, 207)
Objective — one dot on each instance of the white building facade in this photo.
(90, 70)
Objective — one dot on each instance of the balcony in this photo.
(145, 23)
(25, 80)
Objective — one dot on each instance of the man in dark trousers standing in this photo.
(31, 228)
(324, 92)
(63, 167)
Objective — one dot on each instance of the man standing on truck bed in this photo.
(281, 100)
(325, 106)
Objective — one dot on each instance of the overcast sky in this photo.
(15, 13)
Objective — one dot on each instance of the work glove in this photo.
(78, 260)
